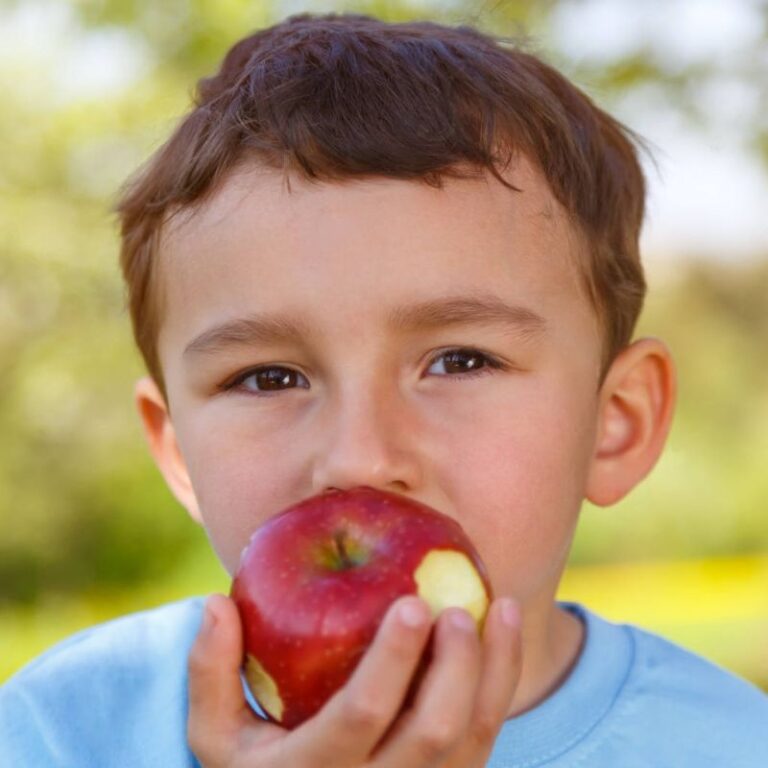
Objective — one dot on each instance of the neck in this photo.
(552, 641)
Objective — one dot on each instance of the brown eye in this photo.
(463, 361)
(271, 379)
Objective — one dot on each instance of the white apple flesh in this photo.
(316, 580)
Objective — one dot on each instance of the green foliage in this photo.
(706, 496)
(81, 503)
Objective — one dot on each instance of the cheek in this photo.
(237, 475)
(519, 485)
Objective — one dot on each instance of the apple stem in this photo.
(341, 550)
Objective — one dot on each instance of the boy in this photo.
(401, 256)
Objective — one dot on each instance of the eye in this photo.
(273, 378)
(464, 361)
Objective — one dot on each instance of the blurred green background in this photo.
(89, 530)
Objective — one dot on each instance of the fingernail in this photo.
(463, 621)
(412, 614)
(209, 618)
(510, 614)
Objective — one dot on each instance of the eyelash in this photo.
(491, 364)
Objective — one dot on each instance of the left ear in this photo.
(637, 402)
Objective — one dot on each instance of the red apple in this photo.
(316, 579)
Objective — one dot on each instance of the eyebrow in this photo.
(485, 309)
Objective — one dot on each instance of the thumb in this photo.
(216, 699)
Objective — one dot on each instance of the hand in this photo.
(457, 713)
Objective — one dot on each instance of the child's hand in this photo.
(458, 711)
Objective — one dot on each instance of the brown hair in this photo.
(346, 95)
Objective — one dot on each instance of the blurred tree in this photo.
(80, 501)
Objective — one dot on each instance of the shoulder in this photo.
(685, 710)
(128, 646)
(669, 671)
(103, 687)
(636, 700)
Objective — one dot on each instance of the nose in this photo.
(366, 439)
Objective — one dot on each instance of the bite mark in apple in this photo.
(447, 578)
(263, 687)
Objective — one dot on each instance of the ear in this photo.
(637, 401)
(163, 446)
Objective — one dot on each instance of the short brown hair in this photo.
(337, 96)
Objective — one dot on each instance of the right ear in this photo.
(161, 437)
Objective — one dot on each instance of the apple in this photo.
(316, 579)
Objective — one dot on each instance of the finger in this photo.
(346, 730)
(216, 699)
(502, 662)
(442, 711)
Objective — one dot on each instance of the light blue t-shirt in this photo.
(116, 695)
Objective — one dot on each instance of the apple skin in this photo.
(316, 579)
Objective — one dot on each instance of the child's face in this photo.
(356, 399)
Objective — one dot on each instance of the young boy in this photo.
(402, 256)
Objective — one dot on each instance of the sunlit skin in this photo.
(508, 435)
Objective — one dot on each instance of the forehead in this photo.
(342, 250)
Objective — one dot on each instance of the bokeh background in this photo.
(88, 89)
